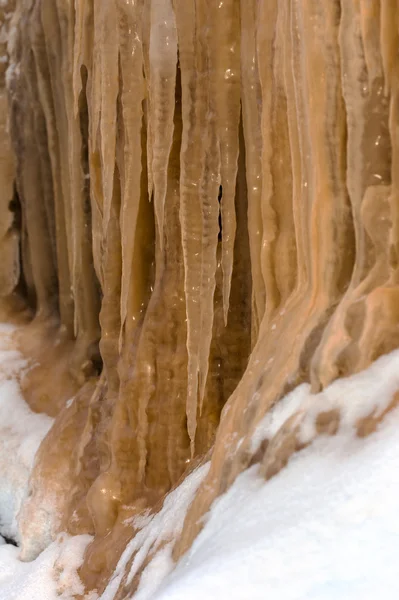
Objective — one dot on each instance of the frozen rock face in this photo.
(209, 200)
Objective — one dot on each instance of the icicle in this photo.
(82, 30)
(225, 91)
(44, 83)
(389, 29)
(193, 63)
(190, 208)
(389, 39)
(163, 60)
(283, 252)
(368, 163)
(369, 16)
(292, 80)
(95, 88)
(266, 26)
(146, 28)
(132, 95)
(251, 98)
(109, 53)
(210, 230)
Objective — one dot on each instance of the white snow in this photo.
(21, 432)
(325, 527)
(157, 531)
(52, 576)
(356, 397)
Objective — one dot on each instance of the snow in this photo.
(157, 531)
(52, 576)
(21, 432)
(356, 397)
(325, 527)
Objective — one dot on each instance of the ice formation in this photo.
(200, 211)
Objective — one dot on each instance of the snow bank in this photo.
(325, 527)
(52, 576)
(21, 432)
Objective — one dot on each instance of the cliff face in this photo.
(209, 211)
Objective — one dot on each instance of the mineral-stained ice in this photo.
(200, 202)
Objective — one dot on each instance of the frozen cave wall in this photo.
(204, 197)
